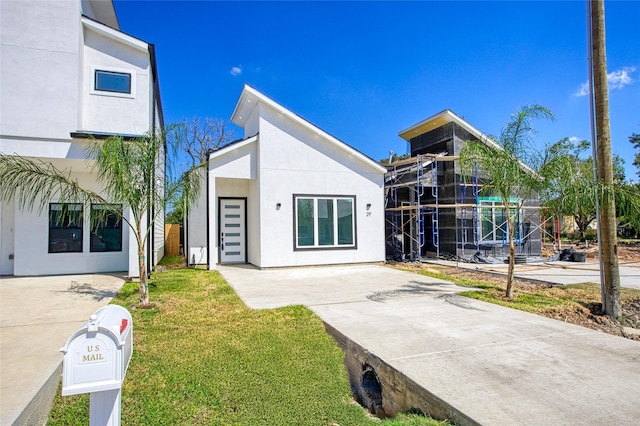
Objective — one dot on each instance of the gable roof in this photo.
(251, 98)
(440, 119)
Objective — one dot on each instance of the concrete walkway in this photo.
(492, 365)
(37, 316)
(556, 272)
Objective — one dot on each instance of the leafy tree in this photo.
(627, 208)
(571, 189)
(175, 216)
(635, 141)
(395, 157)
(127, 170)
(509, 168)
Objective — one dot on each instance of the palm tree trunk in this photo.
(512, 256)
(142, 269)
(607, 220)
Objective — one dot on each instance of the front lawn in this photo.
(202, 358)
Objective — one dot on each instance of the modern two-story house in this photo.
(69, 76)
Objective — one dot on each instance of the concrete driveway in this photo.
(557, 272)
(37, 316)
(476, 362)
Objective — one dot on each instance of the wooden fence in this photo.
(172, 244)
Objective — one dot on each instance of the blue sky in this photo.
(363, 71)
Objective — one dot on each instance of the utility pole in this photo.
(607, 219)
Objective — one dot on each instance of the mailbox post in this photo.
(95, 361)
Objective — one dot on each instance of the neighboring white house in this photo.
(68, 74)
(287, 194)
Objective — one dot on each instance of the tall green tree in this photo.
(509, 169)
(136, 176)
(570, 188)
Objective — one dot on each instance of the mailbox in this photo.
(96, 356)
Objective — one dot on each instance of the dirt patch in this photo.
(585, 313)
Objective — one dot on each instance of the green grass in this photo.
(202, 358)
(172, 262)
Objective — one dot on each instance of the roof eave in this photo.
(114, 34)
(440, 119)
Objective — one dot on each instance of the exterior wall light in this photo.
(278, 205)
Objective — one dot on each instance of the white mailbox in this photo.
(96, 356)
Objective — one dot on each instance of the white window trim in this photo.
(92, 79)
(491, 205)
(316, 239)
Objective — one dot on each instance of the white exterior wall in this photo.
(49, 53)
(39, 76)
(7, 237)
(296, 161)
(32, 245)
(114, 112)
(196, 228)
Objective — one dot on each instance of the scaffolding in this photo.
(426, 200)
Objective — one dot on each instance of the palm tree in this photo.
(509, 169)
(135, 174)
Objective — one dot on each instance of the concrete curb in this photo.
(37, 411)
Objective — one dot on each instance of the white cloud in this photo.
(236, 71)
(617, 80)
(620, 78)
(574, 139)
(583, 90)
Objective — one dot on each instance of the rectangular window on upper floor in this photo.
(108, 81)
(113, 82)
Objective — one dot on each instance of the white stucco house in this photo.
(286, 194)
(69, 75)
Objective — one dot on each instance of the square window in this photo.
(106, 229)
(110, 81)
(65, 228)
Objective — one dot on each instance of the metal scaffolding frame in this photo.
(409, 217)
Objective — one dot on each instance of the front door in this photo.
(232, 231)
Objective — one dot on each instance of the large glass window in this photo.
(324, 222)
(493, 216)
(106, 229)
(110, 81)
(65, 228)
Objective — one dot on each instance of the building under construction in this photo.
(431, 210)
